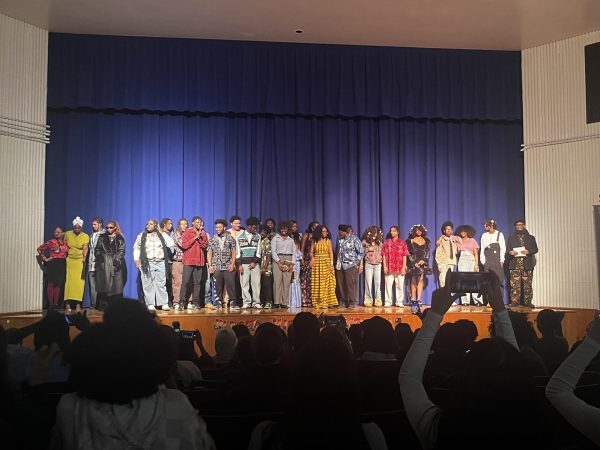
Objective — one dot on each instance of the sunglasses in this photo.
(110, 228)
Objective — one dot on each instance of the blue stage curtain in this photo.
(151, 127)
(362, 171)
(157, 74)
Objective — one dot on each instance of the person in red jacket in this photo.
(53, 254)
(194, 244)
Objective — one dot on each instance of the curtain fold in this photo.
(130, 167)
(187, 75)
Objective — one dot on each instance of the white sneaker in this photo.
(257, 306)
(165, 308)
(246, 307)
(151, 308)
(190, 306)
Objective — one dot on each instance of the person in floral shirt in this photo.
(394, 253)
(221, 264)
(266, 268)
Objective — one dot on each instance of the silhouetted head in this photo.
(305, 328)
(378, 336)
(268, 344)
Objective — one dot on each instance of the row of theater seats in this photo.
(226, 408)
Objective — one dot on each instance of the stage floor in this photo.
(208, 321)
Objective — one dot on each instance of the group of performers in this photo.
(269, 265)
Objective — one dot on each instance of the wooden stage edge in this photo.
(208, 321)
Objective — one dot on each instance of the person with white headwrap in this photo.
(78, 243)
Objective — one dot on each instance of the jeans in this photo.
(372, 278)
(154, 284)
(250, 277)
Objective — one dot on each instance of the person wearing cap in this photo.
(78, 243)
(350, 252)
(493, 249)
(247, 244)
(469, 259)
(446, 252)
(521, 248)
(193, 244)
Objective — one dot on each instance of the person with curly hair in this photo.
(372, 242)
(469, 259)
(305, 268)
(394, 254)
(282, 252)
(419, 249)
(323, 275)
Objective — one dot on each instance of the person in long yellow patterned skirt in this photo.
(78, 243)
(322, 275)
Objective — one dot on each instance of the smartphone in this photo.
(465, 282)
(188, 334)
(414, 308)
(69, 321)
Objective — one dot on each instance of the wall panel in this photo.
(562, 172)
(23, 133)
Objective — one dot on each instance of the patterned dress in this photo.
(322, 277)
(305, 272)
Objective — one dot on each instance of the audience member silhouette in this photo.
(323, 411)
(493, 387)
(560, 389)
(552, 346)
(118, 371)
(526, 339)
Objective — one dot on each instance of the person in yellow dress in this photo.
(322, 274)
(78, 243)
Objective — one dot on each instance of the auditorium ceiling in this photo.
(468, 24)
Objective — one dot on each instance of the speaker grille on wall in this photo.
(592, 82)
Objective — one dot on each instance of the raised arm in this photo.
(560, 389)
(422, 413)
